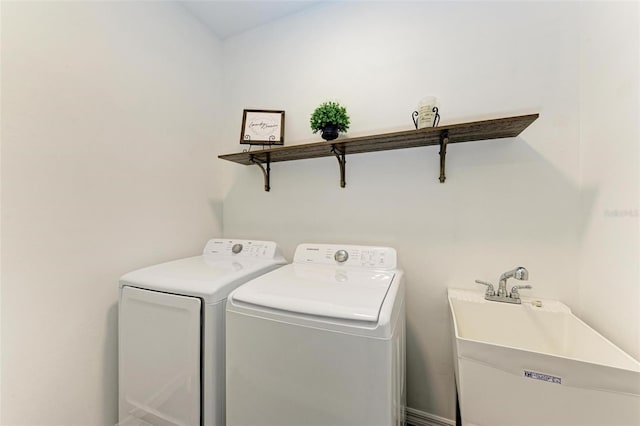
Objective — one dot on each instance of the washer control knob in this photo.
(341, 256)
(237, 248)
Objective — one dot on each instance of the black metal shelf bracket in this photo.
(265, 172)
(444, 140)
(341, 157)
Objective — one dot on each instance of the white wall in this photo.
(609, 156)
(109, 113)
(505, 202)
(0, 219)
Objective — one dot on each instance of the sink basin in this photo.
(538, 364)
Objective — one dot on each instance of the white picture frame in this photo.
(262, 127)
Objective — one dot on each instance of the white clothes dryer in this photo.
(319, 342)
(171, 333)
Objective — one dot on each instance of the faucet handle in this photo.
(515, 294)
(490, 291)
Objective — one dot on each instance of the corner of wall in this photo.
(609, 177)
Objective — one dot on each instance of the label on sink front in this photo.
(541, 376)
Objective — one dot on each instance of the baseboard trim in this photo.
(420, 418)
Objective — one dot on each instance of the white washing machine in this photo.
(171, 333)
(320, 341)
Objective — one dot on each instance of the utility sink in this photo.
(535, 364)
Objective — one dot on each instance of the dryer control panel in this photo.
(241, 248)
(370, 257)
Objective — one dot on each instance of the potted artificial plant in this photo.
(331, 118)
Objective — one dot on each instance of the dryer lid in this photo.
(223, 266)
(201, 276)
(345, 293)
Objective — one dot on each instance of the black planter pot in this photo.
(330, 132)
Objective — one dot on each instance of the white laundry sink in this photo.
(538, 365)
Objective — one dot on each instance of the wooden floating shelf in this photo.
(498, 128)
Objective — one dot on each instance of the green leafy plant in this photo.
(329, 113)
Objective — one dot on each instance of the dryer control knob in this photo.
(237, 248)
(341, 256)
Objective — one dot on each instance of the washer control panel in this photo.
(369, 257)
(241, 248)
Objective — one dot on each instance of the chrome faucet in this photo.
(518, 273)
(502, 295)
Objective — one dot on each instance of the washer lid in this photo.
(345, 293)
(207, 277)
